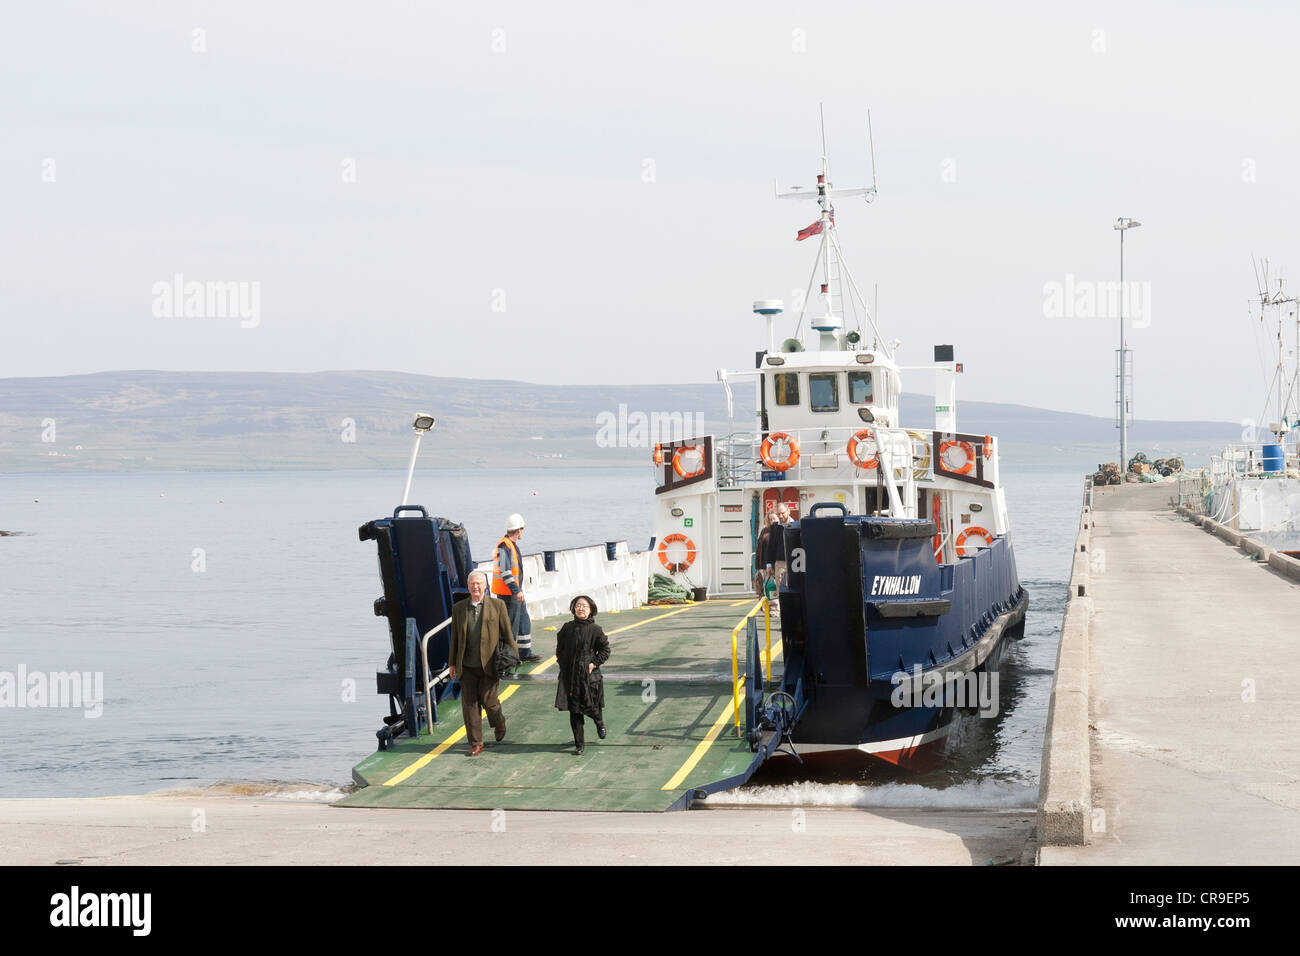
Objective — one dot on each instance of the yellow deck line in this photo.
(657, 617)
(728, 711)
(627, 627)
(442, 747)
(703, 746)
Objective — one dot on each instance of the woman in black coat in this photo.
(580, 648)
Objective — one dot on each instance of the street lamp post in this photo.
(1123, 224)
(424, 422)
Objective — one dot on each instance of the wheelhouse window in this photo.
(823, 392)
(859, 388)
(785, 388)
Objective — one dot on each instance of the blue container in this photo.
(1274, 457)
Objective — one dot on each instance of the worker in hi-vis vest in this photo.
(508, 585)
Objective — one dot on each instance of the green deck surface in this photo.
(654, 729)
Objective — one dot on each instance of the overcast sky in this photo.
(500, 155)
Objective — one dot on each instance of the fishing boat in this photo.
(899, 597)
(1253, 486)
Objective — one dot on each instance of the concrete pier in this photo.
(205, 828)
(1182, 646)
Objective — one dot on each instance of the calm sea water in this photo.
(237, 672)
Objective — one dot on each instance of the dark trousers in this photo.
(576, 724)
(477, 689)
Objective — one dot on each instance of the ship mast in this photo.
(1287, 398)
(830, 257)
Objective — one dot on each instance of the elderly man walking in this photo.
(478, 625)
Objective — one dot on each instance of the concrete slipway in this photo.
(1174, 733)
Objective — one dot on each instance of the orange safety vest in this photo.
(499, 587)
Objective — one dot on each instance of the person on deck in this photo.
(580, 648)
(477, 626)
(508, 585)
(762, 550)
(777, 542)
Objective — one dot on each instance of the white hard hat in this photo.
(514, 522)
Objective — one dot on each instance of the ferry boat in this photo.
(901, 588)
(1253, 486)
(899, 597)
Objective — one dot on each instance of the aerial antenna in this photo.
(871, 144)
(830, 259)
(875, 311)
(826, 153)
(1285, 390)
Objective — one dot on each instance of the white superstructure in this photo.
(827, 429)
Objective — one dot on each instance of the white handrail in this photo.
(738, 456)
(424, 654)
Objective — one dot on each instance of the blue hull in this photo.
(886, 645)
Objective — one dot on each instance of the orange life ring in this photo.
(867, 463)
(658, 457)
(988, 447)
(677, 462)
(938, 532)
(680, 566)
(791, 459)
(965, 446)
(973, 530)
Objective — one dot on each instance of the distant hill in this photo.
(151, 420)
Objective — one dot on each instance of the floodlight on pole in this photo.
(423, 422)
(1123, 224)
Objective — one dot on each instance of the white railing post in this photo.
(424, 656)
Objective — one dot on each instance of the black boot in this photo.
(575, 721)
(600, 727)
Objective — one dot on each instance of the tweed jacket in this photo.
(496, 628)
